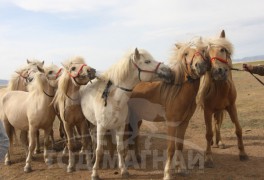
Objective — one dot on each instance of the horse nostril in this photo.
(220, 70)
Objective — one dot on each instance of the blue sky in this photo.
(103, 30)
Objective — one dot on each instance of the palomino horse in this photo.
(218, 93)
(104, 101)
(67, 101)
(30, 111)
(171, 102)
(19, 81)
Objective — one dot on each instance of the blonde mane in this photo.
(13, 83)
(206, 81)
(65, 79)
(119, 71)
(177, 65)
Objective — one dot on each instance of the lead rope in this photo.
(235, 69)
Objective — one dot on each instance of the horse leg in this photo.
(171, 132)
(218, 120)
(37, 150)
(47, 158)
(99, 152)
(209, 136)
(69, 132)
(24, 140)
(32, 144)
(52, 139)
(121, 151)
(10, 132)
(232, 111)
(180, 132)
(83, 126)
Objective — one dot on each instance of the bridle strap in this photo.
(219, 59)
(143, 70)
(106, 91)
(78, 73)
(58, 73)
(51, 96)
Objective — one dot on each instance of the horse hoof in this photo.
(215, 146)
(37, 151)
(222, 146)
(183, 172)
(168, 178)
(49, 162)
(95, 178)
(125, 175)
(27, 169)
(209, 164)
(7, 163)
(243, 157)
(70, 169)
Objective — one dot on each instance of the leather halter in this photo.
(143, 70)
(77, 75)
(56, 77)
(107, 88)
(219, 59)
(197, 53)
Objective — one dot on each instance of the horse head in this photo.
(79, 72)
(219, 52)
(193, 57)
(148, 68)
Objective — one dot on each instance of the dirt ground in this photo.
(227, 164)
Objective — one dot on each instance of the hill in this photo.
(3, 82)
(250, 58)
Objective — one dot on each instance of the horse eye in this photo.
(50, 72)
(147, 61)
(185, 54)
(73, 68)
(222, 50)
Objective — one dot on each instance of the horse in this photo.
(20, 79)
(104, 101)
(67, 102)
(217, 94)
(171, 102)
(34, 111)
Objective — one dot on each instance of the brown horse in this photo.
(217, 93)
(171, 102)
(67, 103)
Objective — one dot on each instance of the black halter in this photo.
(107, 88)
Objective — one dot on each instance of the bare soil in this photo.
(226, 161)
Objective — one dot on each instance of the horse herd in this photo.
(135, 88)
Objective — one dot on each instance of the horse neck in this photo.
(72, 90)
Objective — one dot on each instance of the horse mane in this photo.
(120, 70)
(65, 79)
(13, 82)
(206, 81)
(178, 67)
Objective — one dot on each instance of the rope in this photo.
(235, 69)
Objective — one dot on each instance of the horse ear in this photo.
(28, 61)
(43, 63)
(40, 69)
(137, 55)
(222, 35)
(64, 65)
(178, 46)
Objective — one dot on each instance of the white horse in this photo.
(67, 103)
(104, 101)
(30, 111)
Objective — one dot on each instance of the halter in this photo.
(219, 59)
(106, 91)
(78, 74)
(197, 53)
(58, 73)
(143, 70)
